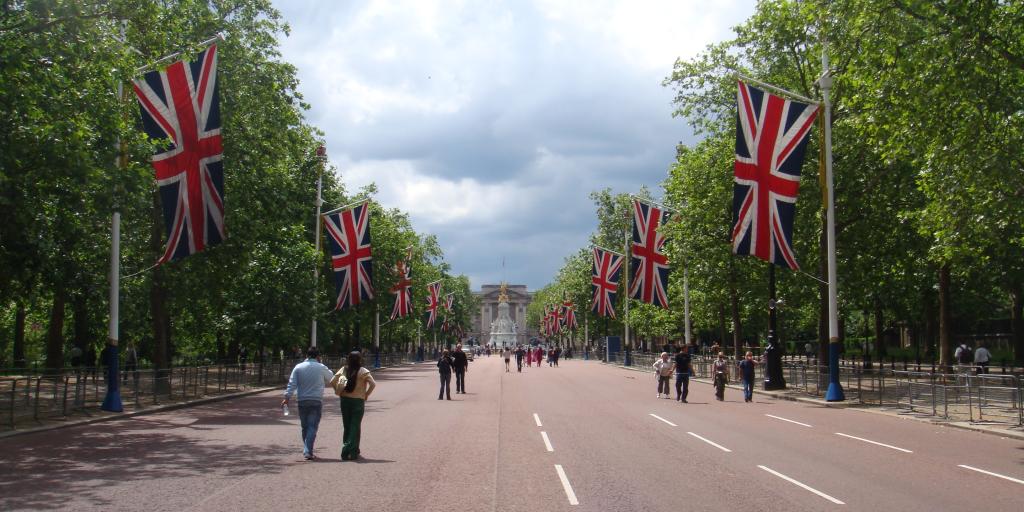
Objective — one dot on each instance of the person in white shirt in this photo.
(663, 368)
(307, 380)
(981, 358)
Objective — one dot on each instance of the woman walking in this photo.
(444, 368)
(721, 373)
(353, 384)
(663, 370)
(507, 354)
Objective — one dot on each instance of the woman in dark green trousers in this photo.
(353, 384)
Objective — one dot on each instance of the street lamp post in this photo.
(321, 154)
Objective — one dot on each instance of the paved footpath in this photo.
(542, 440)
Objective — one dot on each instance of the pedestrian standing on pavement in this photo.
(507, 354)
(444, 368)
(720, 370)
(981, 358)
(353, 384)
(520, 353)
(684, 369)
(963, 354)
(747, 376)
(558, 355)
(663, 371)
(461, 365)
(307, 380)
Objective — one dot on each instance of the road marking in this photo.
(547, 442)
(784, 419)
(803, 485)
(1004, 477)
(904, 450)
(537, 419)
(565, 485)
(712, 443)
(663, 419)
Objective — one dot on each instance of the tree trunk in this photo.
(158, 297)
(721, 322)
(55, 334)
(945, 317)
(928, 309)
(879, 342)
(1017, 322)
(18, 351)
(80, 308)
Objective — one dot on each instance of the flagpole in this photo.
(625, 317)
(321, 154)
(835, 389)
(686, 305)
(347, 206)
(376, 336)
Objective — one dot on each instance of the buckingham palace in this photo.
(518, 299)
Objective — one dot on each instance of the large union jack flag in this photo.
(348, 234)
(771, 136)
(555, 319)
(402, 290)
(605, 281)
(449, 307)
(649, 278)
(179, 104)
(433, 302)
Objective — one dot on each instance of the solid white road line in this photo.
(663, 419)
(547, 442)
(1004, 477)
(712, 443)
(904, 450)
(565, 485)
(784, 419)
(537, 419)
(802, 485)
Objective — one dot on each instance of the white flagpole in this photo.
(686, 305)
(376, 336)
(321, 153)
(625, 316)
(835, 389)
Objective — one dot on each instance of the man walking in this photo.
(981, 359)
(460, 364)
(683, 368)
(308, 380)
(747, 376)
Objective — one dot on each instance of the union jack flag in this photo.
(650, 266)
(605, 281)
(568, 314)
(403, 288)
(433, 302)
(180, 104)
(556, 318)
(351, 255)
(449, 302)
(771, 136)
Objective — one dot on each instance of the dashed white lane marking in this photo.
(802, 485)
(663, 419)
(565, 485)
(1004, 477)
(537, 419)
(712, 443)
(789, 420)
(547, 442)
(904, 450)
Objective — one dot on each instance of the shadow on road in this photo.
(59, 470)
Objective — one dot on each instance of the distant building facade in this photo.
(518, 299)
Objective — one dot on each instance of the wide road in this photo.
(584, 436)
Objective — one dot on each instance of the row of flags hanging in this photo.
(180, 106)
(558, 317)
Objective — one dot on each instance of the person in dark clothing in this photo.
(520, 354)
(684, 369)
(747, 375)
(461, 365)
(444, 368)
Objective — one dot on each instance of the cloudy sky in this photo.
(491, 122)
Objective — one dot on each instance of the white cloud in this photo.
(491, 122)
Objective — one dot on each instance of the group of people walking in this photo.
(448, 363)
(681, 366)
(353, 384)
(530, 356)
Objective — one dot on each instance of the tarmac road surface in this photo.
(584, 436)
